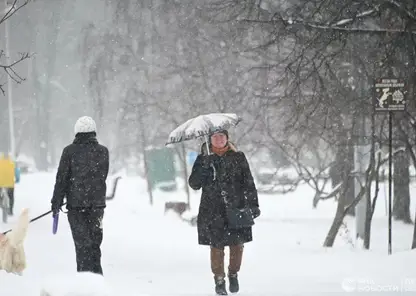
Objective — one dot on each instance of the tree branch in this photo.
(11, 72)
(13, 9)
(337, 26)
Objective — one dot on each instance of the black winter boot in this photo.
(234, 286)
(220, 286)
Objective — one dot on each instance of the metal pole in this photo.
(390, 174)
(9, 87)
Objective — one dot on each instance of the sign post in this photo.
(389, 96)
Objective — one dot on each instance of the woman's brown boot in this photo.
(217, 267)
(236, 257)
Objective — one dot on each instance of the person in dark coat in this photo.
(224, 173)
(81, 180)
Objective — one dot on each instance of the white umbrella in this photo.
(202, 126)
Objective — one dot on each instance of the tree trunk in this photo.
(140, 106)
(375, 177)
(348, 168)
(336, 224)
(341, 212)
(414, 236)
(40, 150)
(4, 127)
(401, 193)
(43, 90)
(368, 218)
(344, 161)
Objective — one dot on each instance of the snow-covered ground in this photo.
(146, 253)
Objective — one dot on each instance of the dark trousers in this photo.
(87, 232)
(10, 192)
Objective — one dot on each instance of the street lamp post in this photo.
(8, 6)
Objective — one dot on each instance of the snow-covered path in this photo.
(147, 253)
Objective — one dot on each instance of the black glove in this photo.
(207, 161)
(256, 212)
(55, 210)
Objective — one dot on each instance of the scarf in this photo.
(220, 151)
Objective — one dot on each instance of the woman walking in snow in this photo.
(229, 203)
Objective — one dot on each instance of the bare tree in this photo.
(8, 67)
(322, 59)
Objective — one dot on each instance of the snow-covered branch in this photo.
(290, 22)
(340, 25)
(333, 193)
(395, 151)
(361, 15)
(355, 30)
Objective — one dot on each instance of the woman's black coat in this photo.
(234, 179)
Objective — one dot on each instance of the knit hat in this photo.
(223, 131)
(85, 124)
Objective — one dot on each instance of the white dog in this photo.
(12, 253)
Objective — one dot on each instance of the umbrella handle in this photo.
(215, 172)
(207, 144)
(209, 152)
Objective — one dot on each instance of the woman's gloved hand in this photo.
(208, 174)
(207, 161)
(55, 209)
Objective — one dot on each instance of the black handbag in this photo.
(239, 218)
